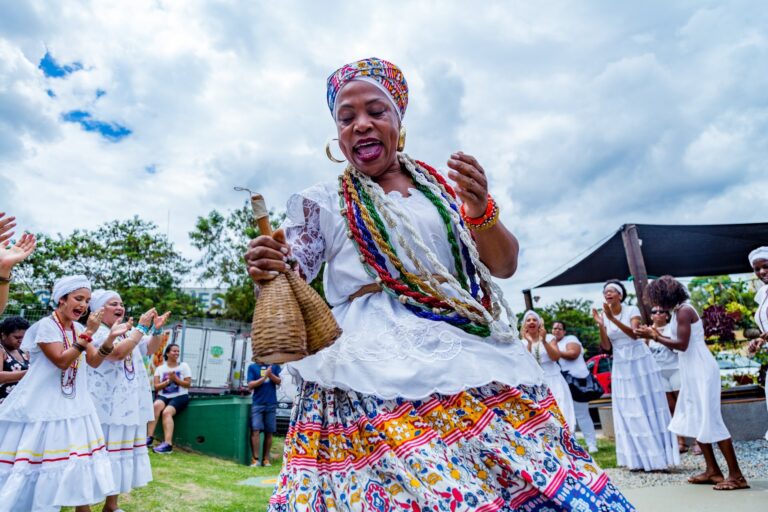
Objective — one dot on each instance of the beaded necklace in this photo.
(128, 367)
(68, 376)
(371, 226)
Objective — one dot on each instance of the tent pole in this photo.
(636, 266)
(528, 300)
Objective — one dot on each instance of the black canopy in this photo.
(681, 251)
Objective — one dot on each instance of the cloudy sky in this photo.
(586, 115)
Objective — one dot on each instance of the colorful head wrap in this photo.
(68, 284)
(761, 253)
(384, 75)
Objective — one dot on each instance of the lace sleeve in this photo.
(304, 234)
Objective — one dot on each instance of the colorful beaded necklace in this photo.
(68, 376)
(418, 293)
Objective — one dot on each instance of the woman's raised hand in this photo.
(543, 332)
(10, 256)
(471, 183)
(267, 256)
(145, 320)
(607, 311)
(94, 320)
(161, 319)
(118, 329)
(598, 319)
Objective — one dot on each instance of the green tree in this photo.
(223, 241)
(128, 256)
(736, 295)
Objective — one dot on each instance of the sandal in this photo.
(683, 448)
(732, 485)
(705, 479)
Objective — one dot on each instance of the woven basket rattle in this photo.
(290, 320)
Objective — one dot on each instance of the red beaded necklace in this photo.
(69, 375)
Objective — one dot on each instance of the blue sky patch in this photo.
(50, 93)
(151, 169)
(53, 69)
(100, 93)
(113, 132)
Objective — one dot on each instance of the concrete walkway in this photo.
(699, 498)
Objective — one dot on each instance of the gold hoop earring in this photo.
(401, 140)
(330, 155)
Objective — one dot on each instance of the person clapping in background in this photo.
(10, 256)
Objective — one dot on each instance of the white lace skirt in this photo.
(562, 394)
(45, 465)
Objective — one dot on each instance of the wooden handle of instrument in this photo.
(261, 214)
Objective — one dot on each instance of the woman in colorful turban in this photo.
(428, 400)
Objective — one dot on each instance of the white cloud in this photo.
(586, 116)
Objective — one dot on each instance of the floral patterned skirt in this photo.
(489, 448)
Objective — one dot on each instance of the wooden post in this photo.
(528, 300)
(636, 267)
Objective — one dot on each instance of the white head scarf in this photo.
(68, 284)
(530, 313)
(100, 297)
(761, 253)
(614, 286)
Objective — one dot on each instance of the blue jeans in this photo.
(263, 418)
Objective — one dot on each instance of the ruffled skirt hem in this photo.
(489, 448)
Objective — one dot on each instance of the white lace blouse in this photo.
(385, 349)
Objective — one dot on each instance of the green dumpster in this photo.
(215, 425)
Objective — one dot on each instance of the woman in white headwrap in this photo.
(759, 261)
(545, 350)
(121, 393)
(52, 451)
(640, 409)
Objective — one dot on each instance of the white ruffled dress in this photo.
(640, 409)
(123, 399)
(386, 350)
(52, 450)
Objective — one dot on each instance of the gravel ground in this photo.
(752, 455)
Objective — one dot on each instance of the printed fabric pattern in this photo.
(489, 448)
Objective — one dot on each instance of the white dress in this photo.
(640, 409)
(698, 414)
(52, 451)
(555, 381)
(761, 317)
(391, 353)
(123, 399)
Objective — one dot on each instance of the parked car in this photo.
(736, 369)
(600, 367)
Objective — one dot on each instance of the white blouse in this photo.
(386, 350)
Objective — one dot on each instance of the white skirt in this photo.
(641, 415)
(562, 393)
(128, 455)
(698, 414)
(45, 465)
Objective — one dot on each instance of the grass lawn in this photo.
(185, 481)
(193, 482)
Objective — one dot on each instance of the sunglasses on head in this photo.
(658, 311)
